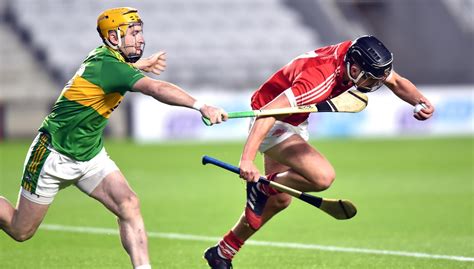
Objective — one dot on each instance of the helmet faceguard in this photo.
(120, 20)
(374, 60)
(133, 56)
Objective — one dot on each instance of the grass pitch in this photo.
(413, 195)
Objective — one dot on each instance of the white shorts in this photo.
(280, 132)
(47, 171)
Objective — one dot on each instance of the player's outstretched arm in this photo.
(171, 94)
(408, 92)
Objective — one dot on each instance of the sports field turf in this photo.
(413, 195)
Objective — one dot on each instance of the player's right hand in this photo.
(249, 171)
(214, 114)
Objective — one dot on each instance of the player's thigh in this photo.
(300, 156)
(115, 193)
(28, 216)
(273, 166)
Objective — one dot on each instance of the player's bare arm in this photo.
(171, 94)
(260, 129)
(408, 92)
(156, 63)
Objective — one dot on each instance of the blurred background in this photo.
(221, 51)
(414, 196)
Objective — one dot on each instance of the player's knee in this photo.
(129, 207)
(324, 179)
(22, 236)
(327, 179)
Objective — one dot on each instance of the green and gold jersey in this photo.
(79, 116)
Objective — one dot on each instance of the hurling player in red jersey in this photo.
(364, 63)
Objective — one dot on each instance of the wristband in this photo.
(198, 105)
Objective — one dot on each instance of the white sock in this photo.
(144, 266)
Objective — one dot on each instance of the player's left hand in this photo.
(214, 114)
(155, 64)
(426, 112)
(249, 171)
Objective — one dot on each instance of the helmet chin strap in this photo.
(354, 80)
(115, 47)
(132, 57)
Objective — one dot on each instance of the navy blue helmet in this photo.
(373, 58)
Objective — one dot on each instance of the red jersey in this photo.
(308, 79)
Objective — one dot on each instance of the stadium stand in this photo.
(26, 91)
(230, 44)
(227, 45)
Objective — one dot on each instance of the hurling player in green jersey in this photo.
(69, 147)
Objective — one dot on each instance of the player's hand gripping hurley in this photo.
(351, 101)
(339, 209)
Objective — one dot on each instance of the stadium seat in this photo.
(207, 41)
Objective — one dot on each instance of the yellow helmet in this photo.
(117, 19)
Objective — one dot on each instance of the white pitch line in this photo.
(108, 231)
